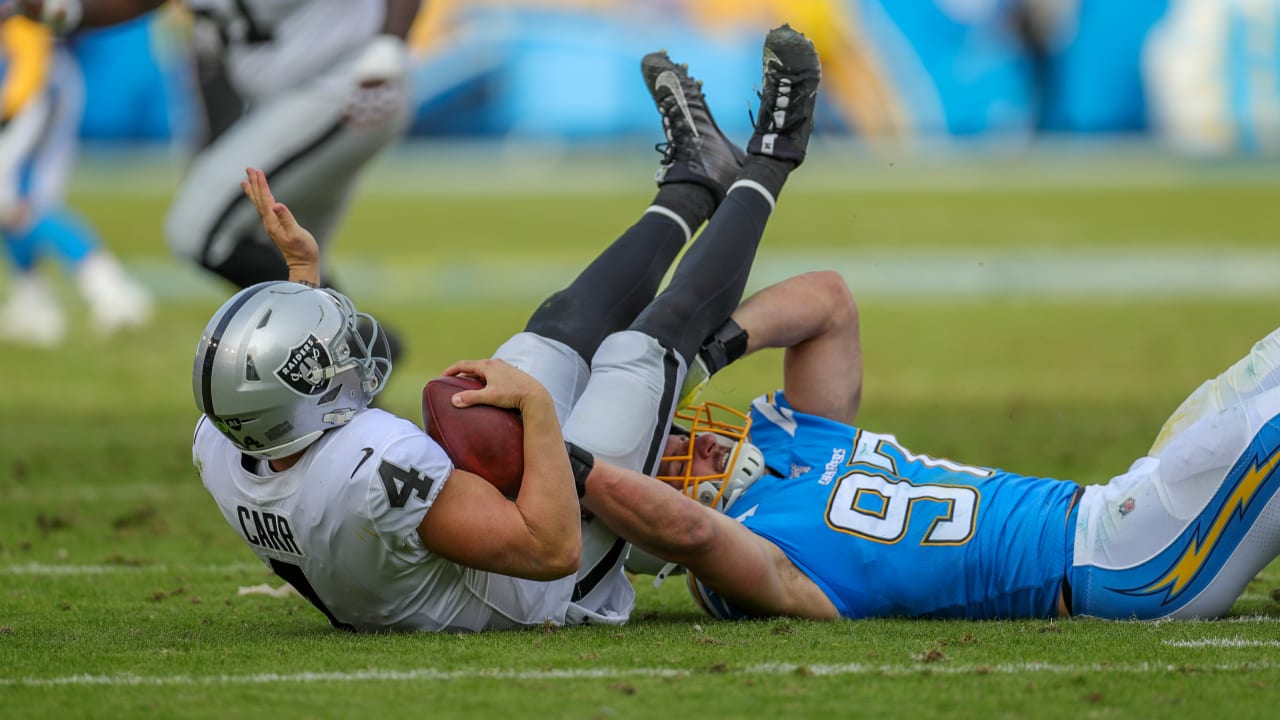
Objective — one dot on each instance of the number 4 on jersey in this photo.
(401, 482)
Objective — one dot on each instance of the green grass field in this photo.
(119, 581)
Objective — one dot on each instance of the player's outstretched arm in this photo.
(814, 317)
(299, 247)
(727, 557)
(539, 536)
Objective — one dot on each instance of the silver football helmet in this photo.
(280, 363)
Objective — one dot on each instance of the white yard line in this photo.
(1247, 619)
(924, 274)
(1222, 643)
(455, 167)
(772, 669)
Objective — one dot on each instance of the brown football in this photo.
(481, 439)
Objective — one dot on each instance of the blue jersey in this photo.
(886, 532)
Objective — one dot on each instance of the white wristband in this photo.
(384, 58)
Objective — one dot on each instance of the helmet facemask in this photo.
(365, 349)
(743, 465)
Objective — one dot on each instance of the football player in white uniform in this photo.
(308, 90)
(366, 515)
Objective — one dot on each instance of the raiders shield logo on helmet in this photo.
(304, 370)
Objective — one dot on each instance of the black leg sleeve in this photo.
(618, 284)
(711, 277)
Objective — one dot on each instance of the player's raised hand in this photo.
(297, 245)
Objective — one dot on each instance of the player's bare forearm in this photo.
(814, 317)
(717, 549)
(400, 16)
(794, 311)
(647, 512)
(547, 500)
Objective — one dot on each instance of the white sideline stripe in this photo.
(35, 568)
(1259, 619)
(431, 674)
(513, 166)
(922, 274)
(1222, 643)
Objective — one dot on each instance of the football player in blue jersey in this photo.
(795, 510)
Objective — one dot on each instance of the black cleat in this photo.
(696, 151)
(789, 90)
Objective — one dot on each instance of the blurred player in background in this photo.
(366, 516)
(308, 90)
(40, 109)
(847, 523)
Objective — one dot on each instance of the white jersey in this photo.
(274, 46)
(341, 526)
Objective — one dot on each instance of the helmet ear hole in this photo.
(330, 396)
(747, 468)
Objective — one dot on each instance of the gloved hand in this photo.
(380, 92)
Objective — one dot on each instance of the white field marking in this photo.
(431, 674)
(36, 568)
(924, 274)
(528, 167)
(1222, 643)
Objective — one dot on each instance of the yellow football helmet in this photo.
(744, 465)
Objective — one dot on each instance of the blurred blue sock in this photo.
(21, 249)
(63, 235)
